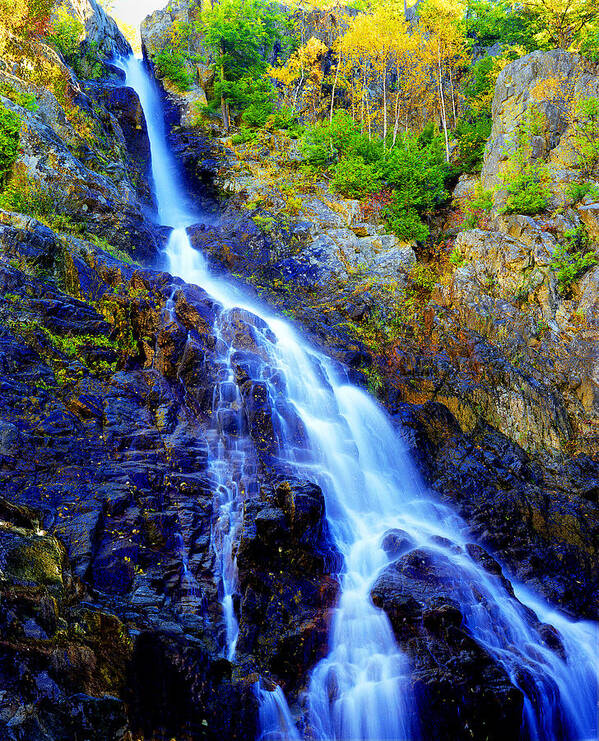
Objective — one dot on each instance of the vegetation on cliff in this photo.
(339, 135)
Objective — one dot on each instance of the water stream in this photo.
(362, 689)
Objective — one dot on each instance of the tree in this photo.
(441, 24)
(302, 74)
(240, 35)
(563, 20)
(24, 19)
(490, 22)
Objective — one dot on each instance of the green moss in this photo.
(37, 560)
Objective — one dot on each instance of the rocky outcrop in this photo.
(72, 657)
(536, 518)
(99, 28)
(77, 165)
(156, 27)
(461, 690)
(546, 84)
(107, 408)
(286, 560)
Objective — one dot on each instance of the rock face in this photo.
(105, 442)
(156, 27)
(115, 403)
(155, 31)
(536, 518)
(100, 28)
(547, 82)
(285, 560)
(88, 170)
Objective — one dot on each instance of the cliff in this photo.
(115, 403)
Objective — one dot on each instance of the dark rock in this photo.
(286, 563)
(533, 518)
(124, 103)
(462, 692)
(179, 688)
(396, 542)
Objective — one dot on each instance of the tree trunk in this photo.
(385, 107)
(334, 89)
(396, 122)
(367, 106)
(442, 100)
(223, 103)
(453, 103)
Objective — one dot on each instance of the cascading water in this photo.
(361, 690)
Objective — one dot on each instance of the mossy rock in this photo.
(37, 559)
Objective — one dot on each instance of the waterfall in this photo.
(362, 688)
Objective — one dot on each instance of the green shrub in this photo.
(477, 207)
(113, 251)
(572, 258)
(256, 99)
(406, 223)
(416, 172)
(88, 65)
(456, 258)
(25, 100)
(10, 127)
(424, 279)
(264, 223)
(472, 134)
(324, 143)
(171, 65)
(590, 44)
(245, 135)
(285, 119)
(526, 180)
(585, 138)
(577, 191)
(355, 178)
(34, 198)
(527, 190)
(66, 33)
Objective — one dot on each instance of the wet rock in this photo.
(180, 687)
(286, 560)
(533, 518)
(461, 690)
(396, 542)
(124, 103)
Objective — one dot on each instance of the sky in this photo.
(134, 11)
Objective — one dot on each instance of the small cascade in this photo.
(362, 689)
(233, 469)
(276, 723)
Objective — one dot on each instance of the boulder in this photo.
(286, 562)
(462, 691)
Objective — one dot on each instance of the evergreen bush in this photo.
(10, 126)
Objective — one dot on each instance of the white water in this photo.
(361, 690)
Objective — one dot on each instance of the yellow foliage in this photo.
(303, 73)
